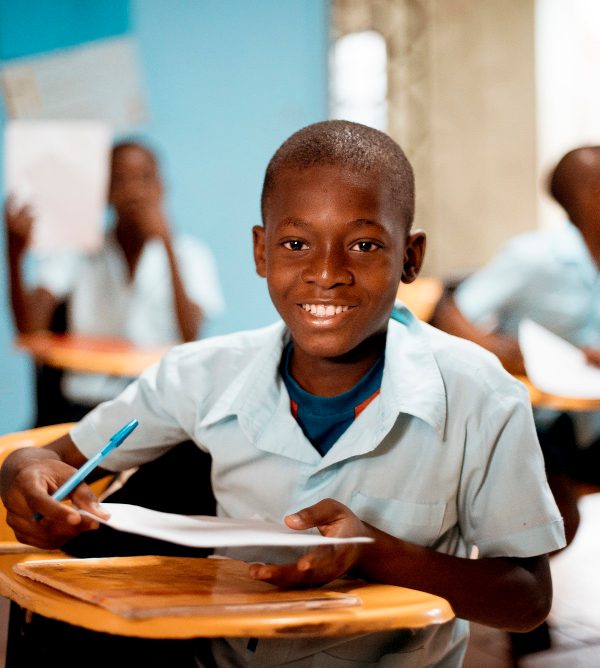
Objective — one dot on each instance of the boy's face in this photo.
(333, 250)
(134, 181)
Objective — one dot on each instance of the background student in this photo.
(146, 285)
(550, 276)
(340, 419)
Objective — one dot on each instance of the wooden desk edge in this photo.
(47, 349)
(541, 399)
(366, 618)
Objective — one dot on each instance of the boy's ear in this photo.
(258, 239)
(414, 252)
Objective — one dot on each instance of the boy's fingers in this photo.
(324, 512)
(321, 565)
(317, 559)
(83, 497)
(51, 509)
(286, 575)
(44, 533)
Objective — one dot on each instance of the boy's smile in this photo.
(333, 249)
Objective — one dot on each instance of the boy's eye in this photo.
(365, 246)
(295, 245)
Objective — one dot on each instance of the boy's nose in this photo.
(328, 269)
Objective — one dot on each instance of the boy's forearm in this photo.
(18, 297)
(511, 594)
(32, 310)
(189, 314)
(451, 319)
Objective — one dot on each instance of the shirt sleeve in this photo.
(200, 276)
(56, 272)
(497, 286)
(157, 399)
(507, 506)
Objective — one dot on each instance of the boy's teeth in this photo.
(324, 311)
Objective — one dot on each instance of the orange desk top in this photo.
(223, 601)
(90, 354)
(541, 399)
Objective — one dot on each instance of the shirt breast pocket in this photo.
(419, 523)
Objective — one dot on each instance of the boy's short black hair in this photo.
(358, 147)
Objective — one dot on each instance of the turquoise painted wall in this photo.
(227, 81)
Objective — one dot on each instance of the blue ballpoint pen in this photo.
(79, 476)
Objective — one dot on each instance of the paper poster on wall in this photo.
(98, 81)
(60, 169)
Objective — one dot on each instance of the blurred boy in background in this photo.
(551, 277)
(145, 285)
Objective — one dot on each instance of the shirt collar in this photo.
(411, 384)
(411, 376)
(258, 383)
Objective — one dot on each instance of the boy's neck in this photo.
(328, 377)
(131, 244)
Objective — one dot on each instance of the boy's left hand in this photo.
(326, 562)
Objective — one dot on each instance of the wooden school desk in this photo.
(378, 608)
(541, 399)
(89, 354)
(421, 296)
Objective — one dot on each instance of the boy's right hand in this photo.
(19, 222)
(30, 492)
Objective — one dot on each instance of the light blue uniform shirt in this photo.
(446, 456)
(550, 277)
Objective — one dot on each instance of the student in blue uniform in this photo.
(339, 418)
(550, 276)
(147, 284)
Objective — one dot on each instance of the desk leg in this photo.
(15, 645)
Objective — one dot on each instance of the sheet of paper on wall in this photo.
(206, 531)
(60, 169)
(555, 366)
(100, 80)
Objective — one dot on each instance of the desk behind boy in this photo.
(339, 420)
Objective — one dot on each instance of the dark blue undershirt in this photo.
(324, 419)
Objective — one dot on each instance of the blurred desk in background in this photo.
(421, 296)
(88, 354)
(541, 399)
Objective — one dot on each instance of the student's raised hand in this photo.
(18, 221)
(151, 222)
(325, 563)
(29, 493)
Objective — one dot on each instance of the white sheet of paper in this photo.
(555, 366)
(206, 531)
(60, 169)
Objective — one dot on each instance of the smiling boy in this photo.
(341, 419)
